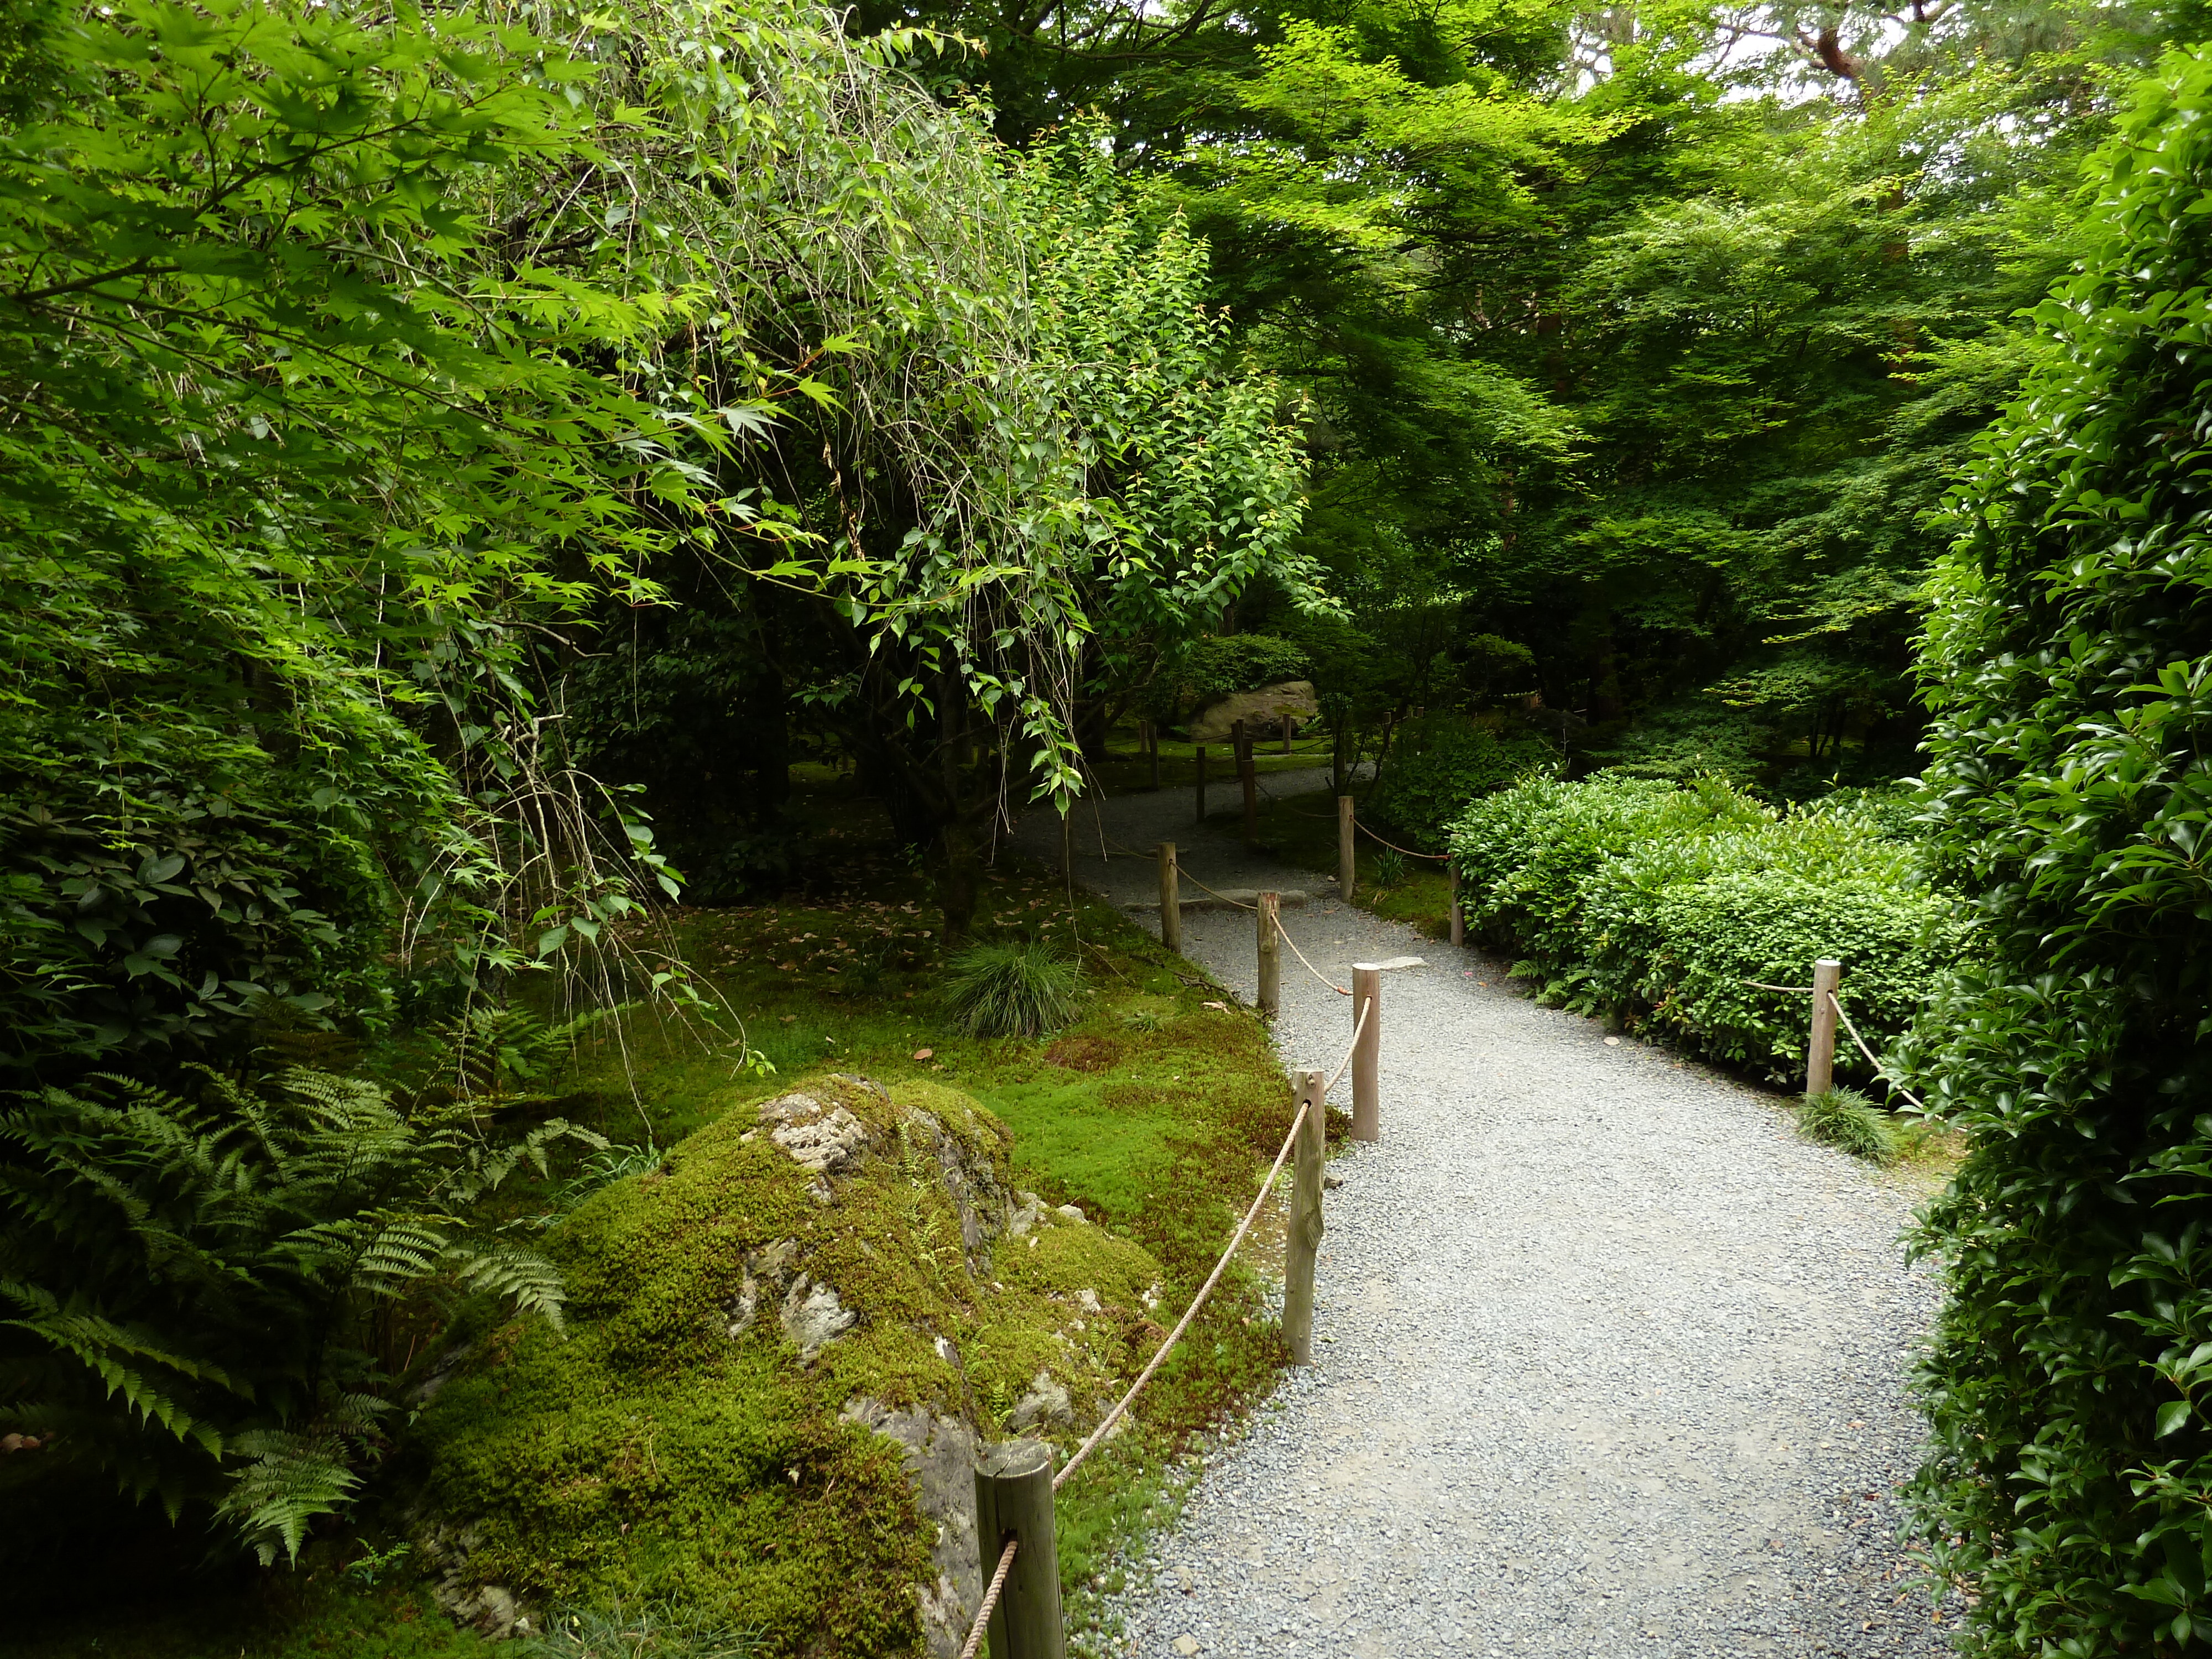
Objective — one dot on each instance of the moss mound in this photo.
(780, 1350)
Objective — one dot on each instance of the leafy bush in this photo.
(1662, 903)
(1388, 869)
(1015, 989)
(1440, 762)
(1848, 1121)
(1214, 668)
(204, 1289)
(2067, 663)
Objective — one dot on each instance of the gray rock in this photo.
(812, 1316)
(822, 1138)
(1045, 1402)
(1262, 711)
(940, 1454)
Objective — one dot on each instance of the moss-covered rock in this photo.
(781, 1351)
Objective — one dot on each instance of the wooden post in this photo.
(1171, 900)
(1153, 751)
(1347, 855)
(1820, 1053)
(1271, 955)
(1013, 1499)
(1458, 915)
(1248, 774)
(1290, 728)
(1367, 1053)
(1200, 756)
(1302, 1243)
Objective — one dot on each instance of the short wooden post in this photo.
(1289, 730)
(1820, 1053)
(1347, 855)
(1367, 1053)
(1248, 774)
(1153, 751)
(1200, 756)
(1458, 915)
(1013, 1499)
(1302, 1242)
(1271, 955)
(1171, 900)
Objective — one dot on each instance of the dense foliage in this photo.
(207, 1295)
(1440, 762)
(2066, 664)
(1662, 905)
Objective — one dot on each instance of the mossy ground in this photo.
(650, 1457)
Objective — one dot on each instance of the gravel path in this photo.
(1611, 1360)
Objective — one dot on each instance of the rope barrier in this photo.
(1793, 990)
(1284, 933)
(1872, 1060)
(1203, 888)
(1357, 1026)
(1197, 1301)
(990, 1600)
(1434, 858)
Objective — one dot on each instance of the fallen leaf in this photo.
(924, 1054)
(1222, 1006)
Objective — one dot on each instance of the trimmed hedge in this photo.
(1656, 902)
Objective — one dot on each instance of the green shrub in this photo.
(1440, 762)
(2066, 663)
(1848, 1121)
(1664, 903)
(1017, 989)
(198, 1286)
(1214, 668)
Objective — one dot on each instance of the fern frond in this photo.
(526, 1280)
(289, 1481)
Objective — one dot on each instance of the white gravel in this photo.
(1611, 1361)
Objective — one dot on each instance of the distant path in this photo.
(1612, 1363)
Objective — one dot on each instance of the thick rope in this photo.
(1434, 858)
(1197, 1301)
(1359, 1025)
(1203, 888)
(1793, 990)
(1878, 1070)
(990, 1600)
(1341, 990)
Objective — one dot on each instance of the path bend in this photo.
(1611, 1359)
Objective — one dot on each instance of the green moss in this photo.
(653, 1455)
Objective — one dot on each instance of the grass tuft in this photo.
(1847, 1120)
(1020, 989)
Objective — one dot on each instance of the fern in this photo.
(190, 1285)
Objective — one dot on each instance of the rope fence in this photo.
(1014, 1502)
(1433, 858)
(1874, 1060)
(1284, 934)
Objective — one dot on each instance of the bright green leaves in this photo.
(2067, 666)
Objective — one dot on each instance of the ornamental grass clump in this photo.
(1022, 988)
(1848, 1121)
